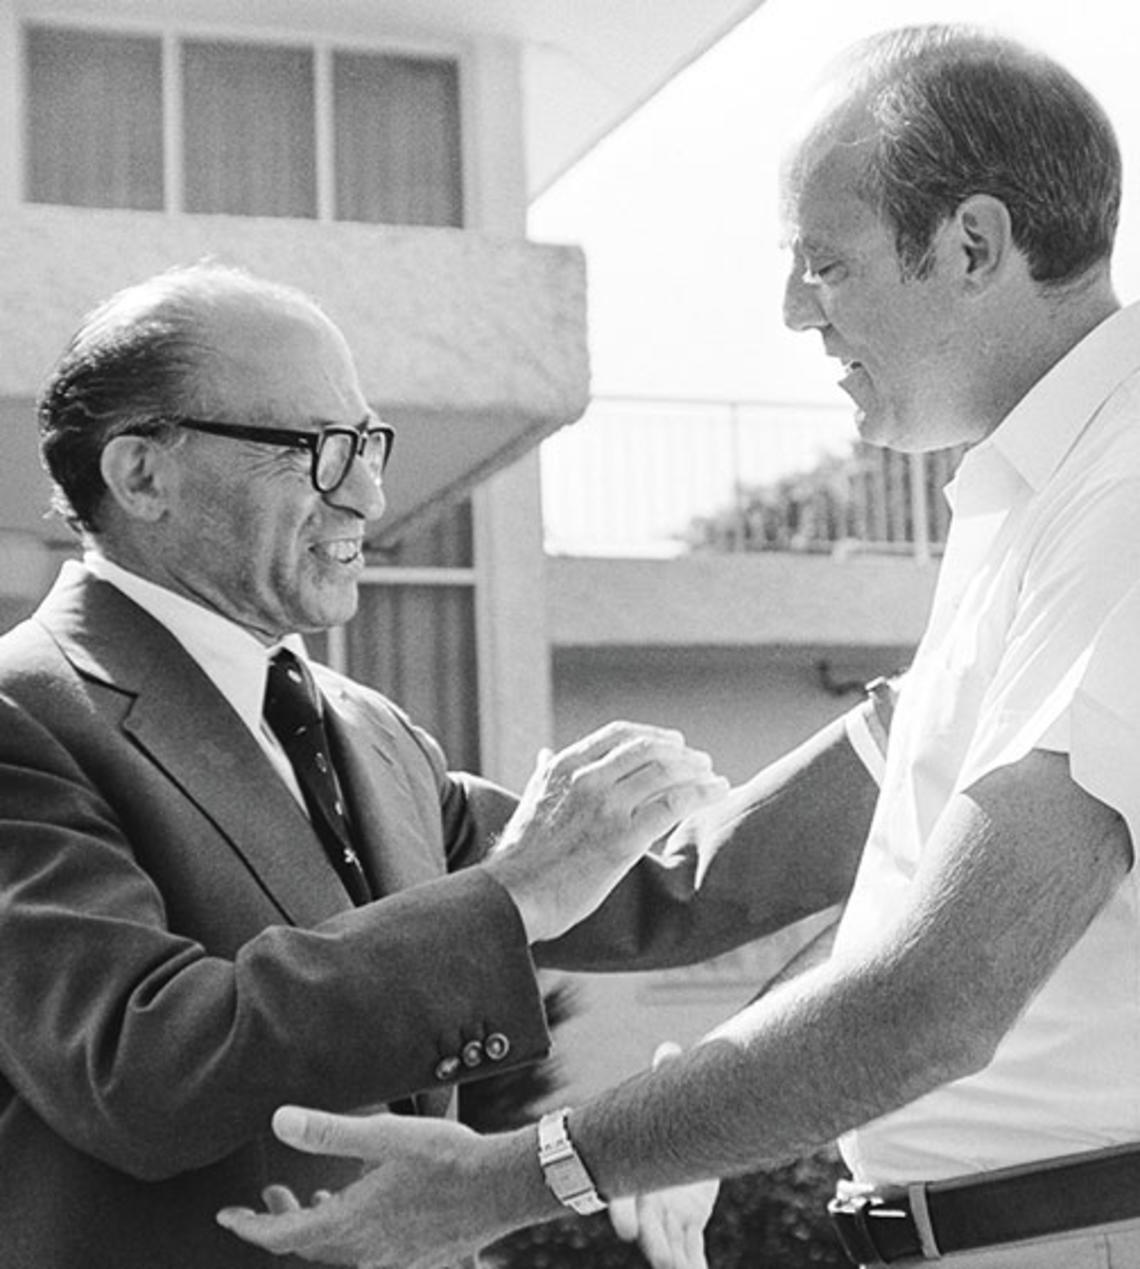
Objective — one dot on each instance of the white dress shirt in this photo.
(1033, 642)
(234, 660)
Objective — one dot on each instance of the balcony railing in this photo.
(647, 477)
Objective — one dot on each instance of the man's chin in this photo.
(886, 430)
(872, 427)
(329, 614)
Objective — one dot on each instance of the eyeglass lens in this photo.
(337, 450)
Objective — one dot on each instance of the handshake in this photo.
(587, 815)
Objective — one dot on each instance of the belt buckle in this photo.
(855, 1219)
(849, 1219)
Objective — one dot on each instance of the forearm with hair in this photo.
(1019, 866)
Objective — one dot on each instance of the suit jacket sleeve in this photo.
(160, 997)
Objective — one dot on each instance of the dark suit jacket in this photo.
(177, 959)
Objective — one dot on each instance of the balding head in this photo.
(151, 352)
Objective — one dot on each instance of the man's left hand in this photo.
(668, 1225)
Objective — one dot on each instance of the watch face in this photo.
(566, 1176)
(564, 1172)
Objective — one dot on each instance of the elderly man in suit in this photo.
(207, 908)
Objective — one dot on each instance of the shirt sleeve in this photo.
(1105, 716)
(1079, 571)
(868, 725)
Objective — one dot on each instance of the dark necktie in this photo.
(293, 713)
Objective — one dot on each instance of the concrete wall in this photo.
(745, 653)
(769, 598)
(24, 488)
(745, 706)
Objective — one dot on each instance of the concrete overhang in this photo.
(474, 347)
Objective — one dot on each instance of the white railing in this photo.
(648, 477)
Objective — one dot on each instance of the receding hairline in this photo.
(197, 305)
(844, 125)
(189, 295)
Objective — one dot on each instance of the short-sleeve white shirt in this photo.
(1033, 642)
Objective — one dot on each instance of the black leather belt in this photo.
(1052, 1196)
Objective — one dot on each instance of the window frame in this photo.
(323, 46)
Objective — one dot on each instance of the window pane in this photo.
(417, 645)
(396, 124)
(249, 130)
(94, 119)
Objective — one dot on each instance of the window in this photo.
(396, 123)
(249, 141)
(244, 135)
(94, 119)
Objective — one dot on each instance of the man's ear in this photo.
(136, 471)
(984, 238)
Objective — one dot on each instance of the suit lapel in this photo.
(255, 813)
(178, 717)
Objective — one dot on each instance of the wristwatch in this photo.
(562, 1167)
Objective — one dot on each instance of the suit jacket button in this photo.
(472, 1053)
(496, 1046)
(447, 1068)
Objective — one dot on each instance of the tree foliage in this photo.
(870, 497)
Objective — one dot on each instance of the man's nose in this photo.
(802, 309)
(360, 492)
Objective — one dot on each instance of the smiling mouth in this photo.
(340, 551)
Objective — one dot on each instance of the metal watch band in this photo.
(562, 1167)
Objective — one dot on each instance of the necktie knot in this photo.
(291, 706)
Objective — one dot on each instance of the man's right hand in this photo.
(589, 812)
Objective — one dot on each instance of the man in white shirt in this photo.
(951, 208)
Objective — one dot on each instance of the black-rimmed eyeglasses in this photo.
(332, 448)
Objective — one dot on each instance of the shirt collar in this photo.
(1030, 443)
(230, 656)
